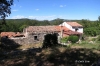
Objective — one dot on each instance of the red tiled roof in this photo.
(74, 24)
(46, 28)
(67, 32)
(10, 34)
(51, 29)
(43, 28)
(70, 32)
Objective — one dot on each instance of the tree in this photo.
(99, 18)
(5, 9)
(57, 21)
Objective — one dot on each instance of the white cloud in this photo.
(62, 5)
(18, 17)
(14, 5)
(20, 6)
(50, 17)
(36, 9)
(14, 10)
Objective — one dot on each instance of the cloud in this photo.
(37, 9)
(14, 10)
(18, 17)
(62, 5)
(51, 17)
(14, 5)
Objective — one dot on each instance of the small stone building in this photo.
(36, 34)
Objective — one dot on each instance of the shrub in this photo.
(94, 39)
(64, 39)
(73, 38)
(98, 38)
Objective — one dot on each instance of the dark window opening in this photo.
(35, 38)
(76, 29)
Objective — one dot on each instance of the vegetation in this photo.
(11, 54)
(50, 40)
(91, 28)
(98, 38)
(5, 9)
(54, 56)
(64, 39)
(73, 38)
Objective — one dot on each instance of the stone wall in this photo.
(30, 39)
(22, 41)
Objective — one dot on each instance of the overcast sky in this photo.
(52, 9)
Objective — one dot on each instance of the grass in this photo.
(54, 56)
(87, 45)
(27, 46)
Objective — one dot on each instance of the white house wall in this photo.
(79, 30)
(66, 25)
(70, 27)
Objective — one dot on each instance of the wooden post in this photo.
(61, 31)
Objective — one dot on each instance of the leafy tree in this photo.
(5, 8)
(22, 27)
(99, 18)
(57, 21)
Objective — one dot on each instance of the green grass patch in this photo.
(85, 44)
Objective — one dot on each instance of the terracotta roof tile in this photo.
(74, 24)
(43, 28)
(10, 34)
(51, 29)
(70, 32)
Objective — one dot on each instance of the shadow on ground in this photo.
(10, 56)
(8, 44)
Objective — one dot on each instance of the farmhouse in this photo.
(74, 26)
(35, 34)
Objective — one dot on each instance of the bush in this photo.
(64, 39)
(94, 39)
(98, 38)
(73, 38)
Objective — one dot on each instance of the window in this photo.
(76, 29)
(35, 38)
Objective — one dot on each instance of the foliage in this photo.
(92, 31)
(94, 39)
(98, 38)
(50, 40)
(91, 28)
(64, 39)
(73, 38)
(5, 8)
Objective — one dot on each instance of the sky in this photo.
(52, 9)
